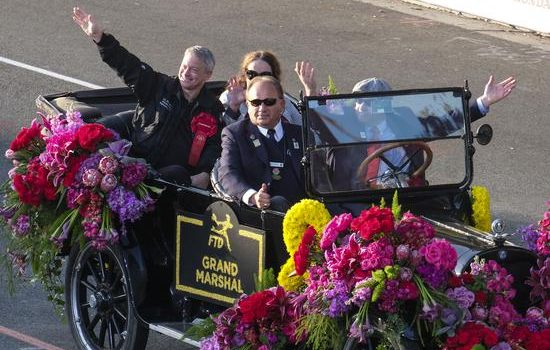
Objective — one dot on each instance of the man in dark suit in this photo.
(260, 162)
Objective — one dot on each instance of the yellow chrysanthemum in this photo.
(291, 283)
(481, 208)
(303, 214)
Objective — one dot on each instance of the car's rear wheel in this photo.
(99, 303)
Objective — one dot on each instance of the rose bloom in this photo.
(90, 135)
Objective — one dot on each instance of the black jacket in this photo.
(161, 126)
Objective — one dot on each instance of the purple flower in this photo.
(133, 174)
(501, 346)
(337, 298)
(463, 296)
(120, 147)
(21, 226)
(405, 274)
(108, 183)
(125, 204)
(59, 241)
(529, 234)
(92, 162)
(430, 311)
(359, 331)
(108, 165)
(361, 295)
(402, 251)
(448, 316)
(210, 343)
(91, 178)
(479, 313)
(431, 275)
(104, 237)
(7, 213)
(19, 261)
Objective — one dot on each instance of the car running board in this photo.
(175, 330)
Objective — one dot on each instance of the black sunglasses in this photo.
(251, 74)
(267, 101)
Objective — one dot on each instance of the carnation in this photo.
(440, 253)
(373, 221)
(414, 230)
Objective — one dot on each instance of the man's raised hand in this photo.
(88, 24)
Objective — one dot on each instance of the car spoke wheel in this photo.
(99, 304)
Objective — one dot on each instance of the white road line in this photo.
(50, 73)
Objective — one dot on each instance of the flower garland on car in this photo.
(70, 181)
(308, 216)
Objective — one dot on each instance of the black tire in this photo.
(98, 301)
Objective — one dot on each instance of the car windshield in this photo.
(381, 141)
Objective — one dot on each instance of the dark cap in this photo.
(372, 85)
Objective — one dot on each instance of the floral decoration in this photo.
(307, 215)
(481, 208)
(387, 281)
(70, 181)
(262, 320)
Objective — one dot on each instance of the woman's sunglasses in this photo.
(251, 74)
(267, 101)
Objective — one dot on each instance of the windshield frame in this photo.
(354, 195)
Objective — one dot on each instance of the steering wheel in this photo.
(396, 170)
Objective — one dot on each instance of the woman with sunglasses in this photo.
(262, 63)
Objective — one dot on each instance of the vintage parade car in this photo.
(199, 253)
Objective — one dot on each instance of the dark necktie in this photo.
(271, 135)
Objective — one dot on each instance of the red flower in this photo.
(467, 278)
(539, 340)
(72, 168)
(470, 334)
(454, 281)
(34, 186)
(372, 222)
(26, 136)
(481, 297)
(90, 135)
(517, 334)
(254, 307)
(302, 254)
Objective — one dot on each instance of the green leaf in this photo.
(395, 206)
(332, 90)
(204, 328)
(265, 280)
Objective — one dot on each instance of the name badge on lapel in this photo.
(295, 144)
(256, 143)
